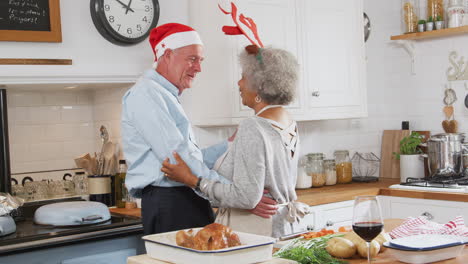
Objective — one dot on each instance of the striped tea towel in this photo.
(420, 225)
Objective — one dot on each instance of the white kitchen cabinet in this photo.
(332, 215)
(326, 37)
(440, 211)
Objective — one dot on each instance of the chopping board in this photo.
(389, 165)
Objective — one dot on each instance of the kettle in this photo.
(445, 154)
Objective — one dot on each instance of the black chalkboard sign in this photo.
(30, 20)
(24, 15)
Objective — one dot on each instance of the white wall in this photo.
(394, 94)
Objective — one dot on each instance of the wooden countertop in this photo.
(345, 192)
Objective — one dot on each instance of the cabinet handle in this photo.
(428, 215)
(316, 94)
(310, 227)
(329, 223)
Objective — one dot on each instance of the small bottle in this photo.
(330, 171)
(344, 167)
(120, 189)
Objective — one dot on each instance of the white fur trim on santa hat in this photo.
(177, 40)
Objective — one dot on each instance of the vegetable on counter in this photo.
(309, 251)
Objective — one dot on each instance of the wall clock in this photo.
(124, 22)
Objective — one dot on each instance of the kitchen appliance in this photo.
(72, 213)
(436, 184)
(445, 154)
(4, 145)
(7, 225)
(31, 235)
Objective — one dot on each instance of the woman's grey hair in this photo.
(272, 73)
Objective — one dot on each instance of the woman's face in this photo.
(247, 95)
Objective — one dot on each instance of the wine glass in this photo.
(367, 219)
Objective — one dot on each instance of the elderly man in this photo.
(154, 125)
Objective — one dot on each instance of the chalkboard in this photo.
(30, 20)
(24, 15)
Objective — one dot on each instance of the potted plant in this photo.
(430, 24)
(421, 24)
(411, 162)
(439, 24)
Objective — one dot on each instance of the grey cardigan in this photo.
(258, 159)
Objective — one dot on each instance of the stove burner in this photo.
(438, 182)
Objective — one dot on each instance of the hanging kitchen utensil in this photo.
(450, 95)
(466, 97)
(104, 137)
(450, 126)
(448, 111)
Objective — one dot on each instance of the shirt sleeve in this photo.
(212, 153)
(159, 129)
(248, 180)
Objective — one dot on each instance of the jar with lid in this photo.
(455, 13)
(303, 181)
(410, 9)
(315, 169)
(344, 167)
(330, 171)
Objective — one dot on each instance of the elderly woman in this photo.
(264, 153)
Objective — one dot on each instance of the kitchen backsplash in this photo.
(48, 129)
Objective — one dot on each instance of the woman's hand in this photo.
(179, 172)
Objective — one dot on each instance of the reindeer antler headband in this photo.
(238, 30)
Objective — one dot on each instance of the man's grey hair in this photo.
(272, 73)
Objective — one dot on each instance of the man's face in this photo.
(184, 64)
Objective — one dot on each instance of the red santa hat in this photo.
(172, 36)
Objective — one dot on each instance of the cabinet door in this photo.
(309, 222)
(276, 23)
(439, 211)
(335, 215)
(333, 58)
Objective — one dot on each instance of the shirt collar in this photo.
(155, 76)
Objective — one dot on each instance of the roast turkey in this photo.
(211, 237)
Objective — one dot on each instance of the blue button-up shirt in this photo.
(154, 125)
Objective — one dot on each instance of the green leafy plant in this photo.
(409, 145)
(430, 19)
(439, 18)
(422, 22)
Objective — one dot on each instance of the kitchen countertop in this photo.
(382, 258)
(345, 192)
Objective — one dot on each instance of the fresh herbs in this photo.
(309, 256)
(409, 145)
(308, 251)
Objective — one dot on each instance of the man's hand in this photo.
(266, 207)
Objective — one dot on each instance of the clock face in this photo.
(125, 22)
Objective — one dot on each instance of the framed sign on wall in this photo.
(30, 20)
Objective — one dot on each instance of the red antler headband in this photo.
(237, 30)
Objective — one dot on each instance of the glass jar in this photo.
(315, 169)
(303, 181)
(455, 13)
(344, 168)
(330, 171)
(435, 10)
(410, 9)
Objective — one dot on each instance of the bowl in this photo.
(426, 248)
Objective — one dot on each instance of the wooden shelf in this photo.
(432, 34)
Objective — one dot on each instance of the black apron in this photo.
(166, 209)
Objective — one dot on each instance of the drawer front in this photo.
(435, 213)
(338, 215)
(306, 223)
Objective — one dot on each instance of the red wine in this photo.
(368, 230)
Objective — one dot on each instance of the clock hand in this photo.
(124, 5)
(128, 7)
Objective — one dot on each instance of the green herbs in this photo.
(430, 19)
(309, 256)
(409, 145)
(439, 18)
(308, 251)
(422, 22)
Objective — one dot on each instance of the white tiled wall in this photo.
(48, 129)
